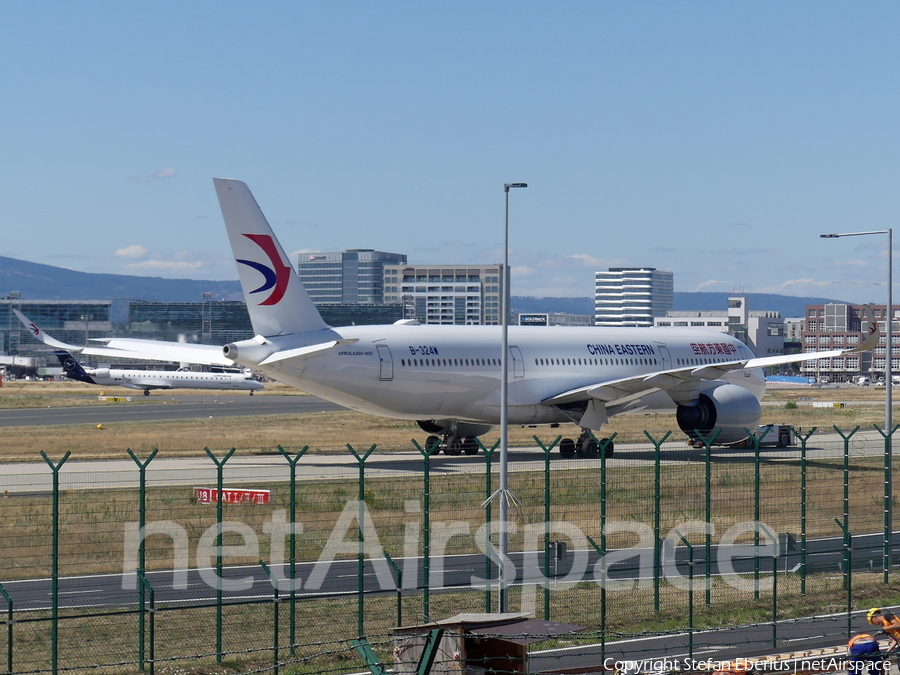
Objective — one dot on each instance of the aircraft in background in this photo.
(156, 379)
(447, 378)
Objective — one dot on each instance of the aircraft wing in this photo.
(147, 384)
(42, 336)
(683, 383)
(158, 350)
(134, 348)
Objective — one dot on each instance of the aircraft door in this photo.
(666, 357)
(385, 363)
(518, 363)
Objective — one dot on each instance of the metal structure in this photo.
(61, 540)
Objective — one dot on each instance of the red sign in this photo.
(232, 496)
(713, 348)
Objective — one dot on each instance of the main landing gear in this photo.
(453, 445)
(585, 447)
(146, 392)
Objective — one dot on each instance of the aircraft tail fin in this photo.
(73, 369)
(276, 299)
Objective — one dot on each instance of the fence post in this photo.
(275, 606)
(142, 520)
(803, 502)
(888, 501)
(426, 525)
(756, 488)
(145, 583)
(399, 576)
(360, 521)
(54, 564)
(707, 445)
(690, 593)
(9, 630)
(488, 491)
(220, 466)
(292, 461)
(846, 526)
(601, 550)
(657, 498)
(547, 450)
(848, 581)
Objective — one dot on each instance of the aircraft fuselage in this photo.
(423, 372)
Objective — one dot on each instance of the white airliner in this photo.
(156, 379)
(447, 378)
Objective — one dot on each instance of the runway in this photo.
(166, 407)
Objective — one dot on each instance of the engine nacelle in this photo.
(728, 407)
(101, 372)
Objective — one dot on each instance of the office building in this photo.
(352, 277)
(555, 319)
(446, 294)
(632, 296)
(761, 330)
(838, 326)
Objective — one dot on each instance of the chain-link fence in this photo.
(243, 563)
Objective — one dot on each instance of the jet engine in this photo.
(728, 407)
(100, 372)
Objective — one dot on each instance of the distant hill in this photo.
(788, 305)
(46, 282)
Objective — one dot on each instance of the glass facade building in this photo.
(352, 277)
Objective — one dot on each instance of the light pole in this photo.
(888, 322)
(503, 595)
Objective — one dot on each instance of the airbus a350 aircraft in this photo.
(155, 379)
(447, 378)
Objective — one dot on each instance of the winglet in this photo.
(42, 336)
(869, 325)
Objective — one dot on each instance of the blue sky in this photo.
(717, 140)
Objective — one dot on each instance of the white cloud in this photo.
(851, 263)
(133, 251)
(166, 265)
(587, 260)
(712, 283)
(158, 175)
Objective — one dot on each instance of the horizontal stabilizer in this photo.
(311, 350)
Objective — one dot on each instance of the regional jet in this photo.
(447, 378)
(156, 379)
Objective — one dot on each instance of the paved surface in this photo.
(166, 408)
(29, 477)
